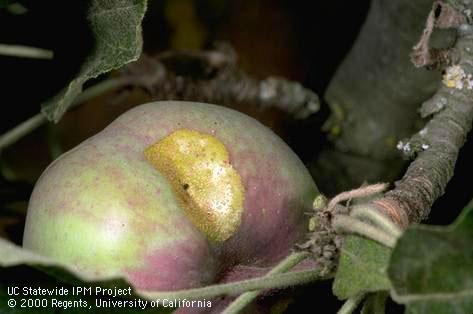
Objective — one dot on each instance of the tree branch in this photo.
(437, 145)
(442, 138)
(213, 76)
(207, 76)
(374, 96)
(435, 149)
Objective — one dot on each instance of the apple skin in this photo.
(106, 210)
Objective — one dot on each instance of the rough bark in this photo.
(435, 148)
(437, 144)
(374, 96)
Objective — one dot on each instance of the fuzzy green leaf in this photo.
(24, 269)
(431, 268)
(116, 27)
(362, 268)
(5, 3)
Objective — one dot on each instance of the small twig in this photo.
(344, 223)
(25, 52)
(213, 76)
(246, 298)
(351, 304)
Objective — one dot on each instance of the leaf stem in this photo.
(25, 52)
(100, 88)
(375, 303)
(377, 218)
(10, 137)
(246, 298)
(351, 304)
(276, 281)
(353, 225)
(21, 130)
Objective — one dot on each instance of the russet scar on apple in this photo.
(208, 187)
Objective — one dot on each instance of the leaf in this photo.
(362, 268)
(116, 27)
(431, 268)
(18, 264)
(5, 3)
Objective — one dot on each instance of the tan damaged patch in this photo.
(197, 166)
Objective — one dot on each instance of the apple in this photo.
(172, 195)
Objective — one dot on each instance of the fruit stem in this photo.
(276, 281)
(246, 298)
(351, 304)
(377, 218)
(349, 224)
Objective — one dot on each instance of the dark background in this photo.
(299, 40)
